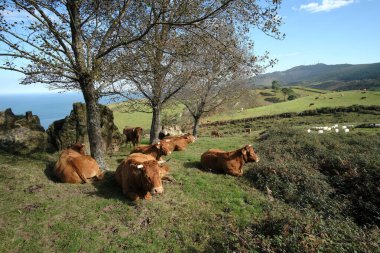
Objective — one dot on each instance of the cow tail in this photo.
(80, 174)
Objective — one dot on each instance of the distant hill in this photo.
(330, 77)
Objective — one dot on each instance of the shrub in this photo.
(336, 175)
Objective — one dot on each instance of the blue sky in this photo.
(317, 31)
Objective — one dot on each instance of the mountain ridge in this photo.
(326, 76)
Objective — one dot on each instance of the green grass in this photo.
(334, 99)
(124, 116)
(199, 211)
(97, 217)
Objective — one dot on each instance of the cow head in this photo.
(249, 154)
(163, 147)
(190, 138)
(78, 147)
(150, 176)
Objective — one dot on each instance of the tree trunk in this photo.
(195, 126)
(93, 124)
(155, 126)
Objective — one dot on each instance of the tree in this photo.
(286, 92)
(217, 78)
(158, 69)
(276, 86)
(70, 44)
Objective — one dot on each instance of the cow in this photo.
(133, 135)
(156, 150)
(74, 166)
(215, 133)
(179, 143)
(140, 176)
(228, 162)
(247, 130)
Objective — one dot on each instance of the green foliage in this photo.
(276, 86)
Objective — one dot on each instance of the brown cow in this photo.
(73, 166)
(156, 150)
(133, 135)
(140, 175)
(248, 130)
(179, 143)
(231, 162)
(215, 133)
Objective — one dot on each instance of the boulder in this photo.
(73, 128)
(21, 134)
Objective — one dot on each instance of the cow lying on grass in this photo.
(179, 143)
(140, 176)
(156, 150)
(231, 162)
(73, 166)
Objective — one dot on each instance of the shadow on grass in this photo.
(108, 188)
(192, 165)
(49, 172)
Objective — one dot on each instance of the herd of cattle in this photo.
(140, 175)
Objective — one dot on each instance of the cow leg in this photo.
(148, 196)
(236, 173)
(100, 175)
(131, 195)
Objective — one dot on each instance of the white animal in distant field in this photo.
(337, 130)
(308, 130)
(320, 131)
(344, 127)
(346, 130)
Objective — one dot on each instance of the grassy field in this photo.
(199, 211)
(308, 96)
(333, 99)
(308, 193)
(123, 116)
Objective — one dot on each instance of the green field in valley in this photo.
(333, 99)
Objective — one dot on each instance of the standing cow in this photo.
(73, 166)
(228, 162)
(140, 176)
(133, 135)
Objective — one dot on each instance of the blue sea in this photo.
(49, 107)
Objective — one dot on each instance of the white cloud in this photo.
(326, 5)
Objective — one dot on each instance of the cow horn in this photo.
(167, 140)
(158, 143)
(161, 162)
(140, 166)
(250, 145)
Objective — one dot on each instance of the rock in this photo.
(73, 128)
(21, 134)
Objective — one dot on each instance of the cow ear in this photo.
(244, 151)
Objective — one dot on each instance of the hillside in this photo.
(355, 76)
(332, 99)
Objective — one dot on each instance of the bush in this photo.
(334, 174)
(287, 230)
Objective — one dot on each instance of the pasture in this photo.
(300, 197)
(332, 99)
(261, 107)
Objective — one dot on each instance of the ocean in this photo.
(49, 107)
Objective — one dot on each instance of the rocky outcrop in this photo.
(21, 134)
(73, 128)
